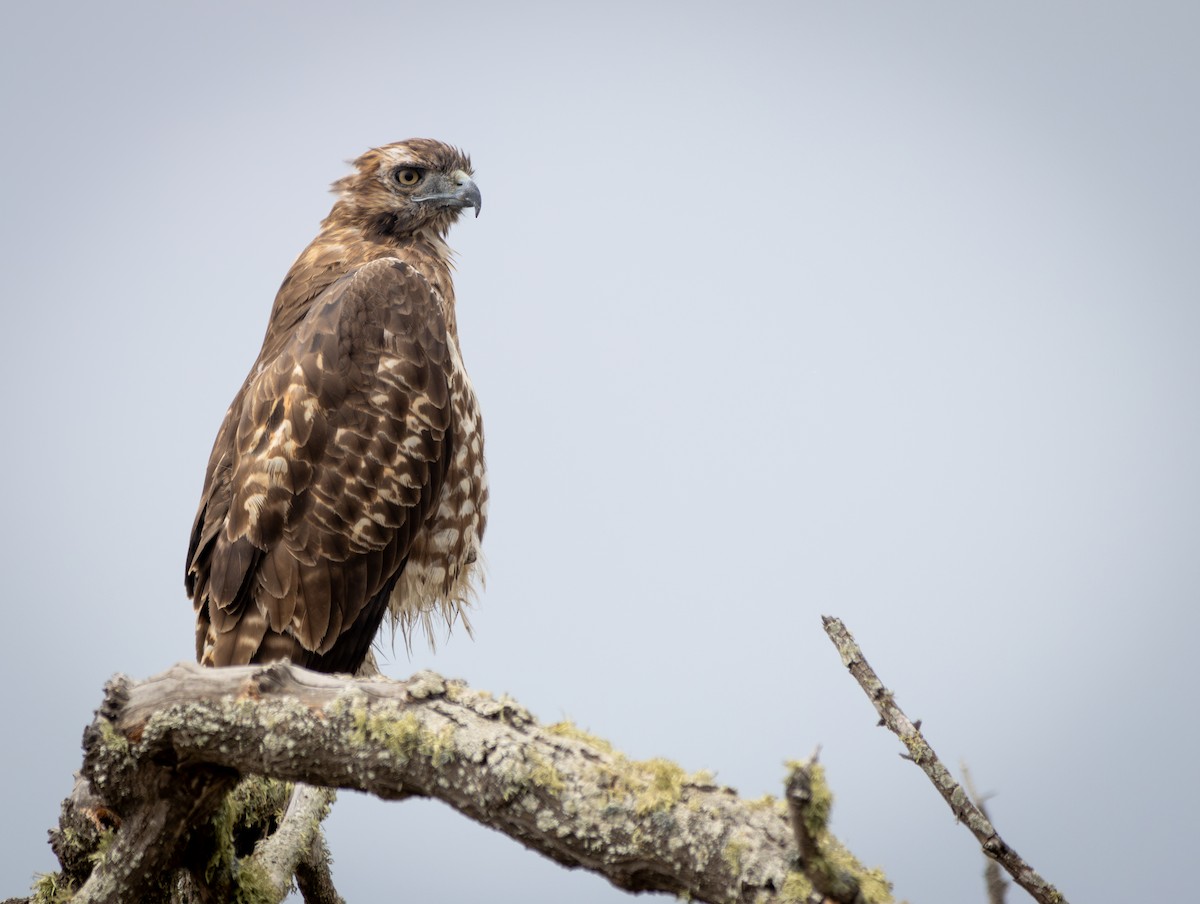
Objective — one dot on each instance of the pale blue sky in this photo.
(888, 311)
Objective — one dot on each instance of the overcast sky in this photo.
(885, 310)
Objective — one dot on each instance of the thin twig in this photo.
(922, 754)
(997, 888)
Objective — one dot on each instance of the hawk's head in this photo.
(401, 188)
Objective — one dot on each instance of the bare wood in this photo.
(923, 755)
(645, 826)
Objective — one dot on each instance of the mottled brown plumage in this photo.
(348, 475)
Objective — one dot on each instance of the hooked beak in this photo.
(456, 190)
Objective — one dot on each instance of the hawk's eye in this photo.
(407, 175)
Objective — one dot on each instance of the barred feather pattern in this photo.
(347, 480)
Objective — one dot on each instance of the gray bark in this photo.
(163, 755)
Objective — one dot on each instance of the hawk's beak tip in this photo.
(469, 192)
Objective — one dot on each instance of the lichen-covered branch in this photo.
(313, 877)
(922, 754)
(809, 804)
(292, 842)
(645, 826)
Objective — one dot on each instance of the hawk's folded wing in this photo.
(326, 467)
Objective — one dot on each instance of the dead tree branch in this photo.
(293, 842)
(313, 877)
(163, 755)
(809, 805)
(922, 754)
(997, 888)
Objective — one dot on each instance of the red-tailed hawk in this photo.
(347, 479)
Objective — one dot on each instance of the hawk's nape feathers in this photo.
(347, 478)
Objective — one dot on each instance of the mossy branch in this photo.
(828, 865)
(190, 733)
(919, 751)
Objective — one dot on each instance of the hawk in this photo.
(347, 479)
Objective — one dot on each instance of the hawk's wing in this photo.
(325, 469)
